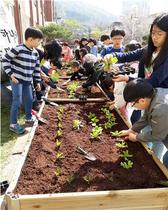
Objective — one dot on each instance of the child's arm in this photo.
(37, 72)
(7, 59)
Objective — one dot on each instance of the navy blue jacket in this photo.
(159, 77)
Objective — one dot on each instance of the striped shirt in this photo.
(23, 63)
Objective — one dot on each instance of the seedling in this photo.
(55, 76)
(59, 116)
(87, 179)
(109, 176)
(94, 120)
(61, 110)
(122, 144)
(109, 124)
(128, 164)
(59, 125)
(96, 132)
(59, 133)
(72, 88)
(59, 155)
(77, 124)
(108, 62)
(58, 143)
(70, 179)
(116, 133)
(126, 155)
(58, 171)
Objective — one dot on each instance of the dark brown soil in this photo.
(55, 93)
(38, 174)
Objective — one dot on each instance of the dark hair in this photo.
(80, 42)
(41, 54)
(33, 33)
(83, 51)
(132, 47)
(161, 22)
(56, 63)
(106, 81)
(136, 89)
(116, 32)
(104, 37)
(75, 64)
(52, 50)
(92, 40)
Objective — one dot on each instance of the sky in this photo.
(115, 6)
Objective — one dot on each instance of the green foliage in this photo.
(116, 133)
(123, 144)
(55, 76)
(110, 118)
(59, 125)
(96, 132)
(53, 31)
(70, 179)
(87, 179)
(126, 155)
(59, 155)
(59, 133)
(71, 88)
(58, 171)
(110, 60)
(127, 165)
(96, 33)
(61, 110)
(94, 120)
(58, 143)
(77, 124)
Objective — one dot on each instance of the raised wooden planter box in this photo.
(133, 199)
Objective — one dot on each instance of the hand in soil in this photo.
(95, 89)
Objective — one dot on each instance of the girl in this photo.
(153, 64)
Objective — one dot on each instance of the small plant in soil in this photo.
(58, 143)
(61, 110)
(110, 118)
(55, 76)
(59, 125)
(72, 88)
(126, 155)
(59, 116)
(127, 164)
(109, 176)
(93, 118)
(70, 179)
(59, 133)
(59, 155)
(58, 171)
(116, 133)
(96, 132)
(122, 144)
(77, 124)
(87, 179)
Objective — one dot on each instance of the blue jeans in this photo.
(157, 147)
(21, 92)
(165, 159)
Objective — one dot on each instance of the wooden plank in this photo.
(13, 202)
(152, 199)
(76, 100)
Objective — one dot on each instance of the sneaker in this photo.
(31, 121)
(17, 129)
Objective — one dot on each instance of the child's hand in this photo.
(132, 137)
(120, 78)
(126, 132)
(14, 80)
(78, 89)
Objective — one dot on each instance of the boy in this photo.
(117, 37)
(154, 102)
(21, 64)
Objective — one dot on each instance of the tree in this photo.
(53, 31)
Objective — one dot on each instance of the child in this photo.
(79, 71)
(154, 102)
(93, 47)
(22, 65)
(66, 52)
